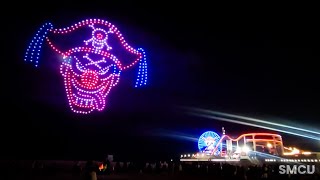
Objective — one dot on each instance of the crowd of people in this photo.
(198, 169)
(93, 169)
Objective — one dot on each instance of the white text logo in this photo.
(297, 169)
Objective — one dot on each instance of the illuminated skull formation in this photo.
(88, 82)
(91, 67)
(99, 38)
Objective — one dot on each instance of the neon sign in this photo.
(94, 55)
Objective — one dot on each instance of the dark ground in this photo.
(122, 176)
(132, 176)
(198, 170)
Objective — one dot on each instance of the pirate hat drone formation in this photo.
(94, 54)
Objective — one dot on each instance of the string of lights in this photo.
(91, 69)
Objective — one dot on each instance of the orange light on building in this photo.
(269, 145)
(295, 151)
(306, 153)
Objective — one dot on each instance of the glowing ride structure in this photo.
(91, 66)
(208, 142)
(249, 146)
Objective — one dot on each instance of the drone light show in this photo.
(94, 54)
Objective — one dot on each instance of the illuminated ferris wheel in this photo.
(208, 141)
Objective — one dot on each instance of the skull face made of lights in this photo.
(94, 55)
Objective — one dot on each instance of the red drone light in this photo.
(89, 78)
(99, 36)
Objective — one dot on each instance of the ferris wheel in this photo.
(208, 141)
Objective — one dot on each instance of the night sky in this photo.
(257, 63)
